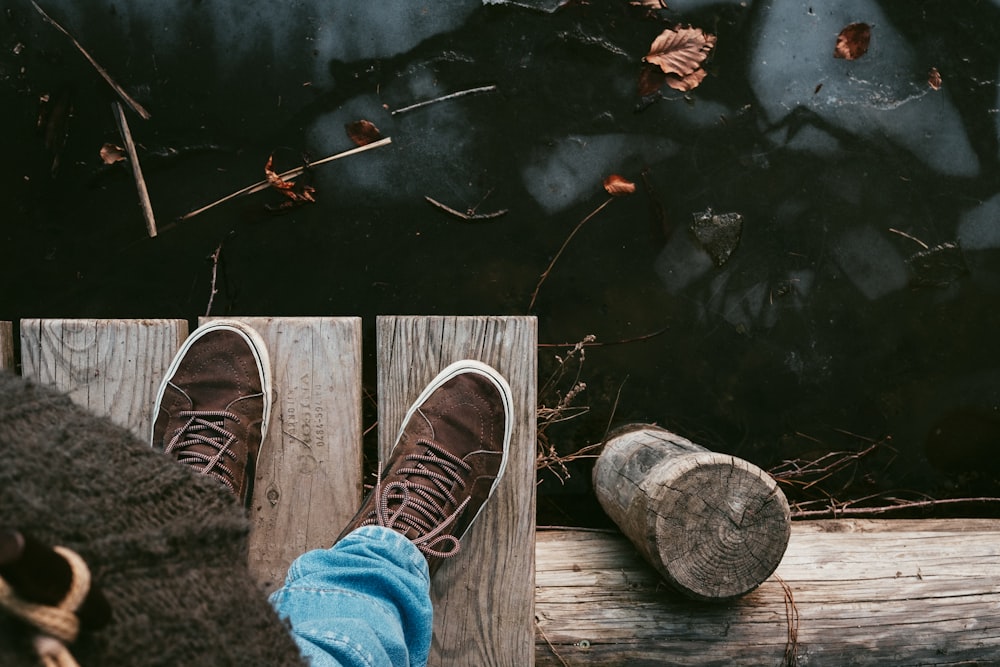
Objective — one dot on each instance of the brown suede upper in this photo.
(448, 457)
(219, 379)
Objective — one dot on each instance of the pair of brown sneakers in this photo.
(213, 407)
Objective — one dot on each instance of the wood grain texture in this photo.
(7, 346)
(111, 367)
(714, 526)
(308, 480)
(483, 597)
(896, 592)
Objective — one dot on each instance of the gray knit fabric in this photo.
(167, 547)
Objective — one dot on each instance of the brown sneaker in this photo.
(213, 406)
(448, 458)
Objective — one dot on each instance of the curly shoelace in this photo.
(206, 428)
(421, 506)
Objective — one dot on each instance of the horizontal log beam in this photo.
(855, 592)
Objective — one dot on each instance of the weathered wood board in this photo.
(483, 597)
(880, 593)
(7, 346)
(308, 480)
(111, 367)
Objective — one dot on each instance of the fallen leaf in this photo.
(718, 233)
(362, 132)
(617, 186)
(651, 79)
(686, 83)
(649, 4)
(680, 52)
(852, 42)
(111, 153)
(934, 78)
(288, 188)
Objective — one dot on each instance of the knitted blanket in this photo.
(167, 547)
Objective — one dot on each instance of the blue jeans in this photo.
(365, 601)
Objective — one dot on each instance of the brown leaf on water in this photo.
(290, 189)
(649, 4)
(111, 153)
(934, 78)
(852, 42)
(651, 79)
(363, 132)
(686, 83)
(680, 51)
(618, 186)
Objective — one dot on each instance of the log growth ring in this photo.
(721, 525)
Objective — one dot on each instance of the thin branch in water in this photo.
(614, 409)
(622, 341)
(291, 173)
(215, 274)
(133, 159)
(461, 93)
(912, 238)
(138, 108)
(469, 215)
(545, 274)
(843, 509)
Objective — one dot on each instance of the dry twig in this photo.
(451, 96)
(133, 158)
(215, 273)
(470, 215)
(911, 237)
(837, 509)
(548, 457)
(291, 173)
(792, 614)
(622, 341)
(549, 644)
(138, 108)
(545, 274)
(802, 476)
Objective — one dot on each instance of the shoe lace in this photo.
(416, 505)
(206, 429)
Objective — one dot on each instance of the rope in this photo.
(59, 625)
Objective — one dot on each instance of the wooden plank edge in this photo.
(598, 603)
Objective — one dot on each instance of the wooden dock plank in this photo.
(7, 346)
(112, 367)
(484, 597)
(308, 481)
(864, 593)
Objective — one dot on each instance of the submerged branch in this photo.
(133, 159)
(138, 108)
(291, 173)
(470, 215)
(545, 274)
(461, 93)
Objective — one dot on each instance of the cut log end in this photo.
(713, 525)
(720, 525)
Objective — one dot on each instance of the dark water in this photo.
(824, 330)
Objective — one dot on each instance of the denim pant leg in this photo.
(365, 601)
